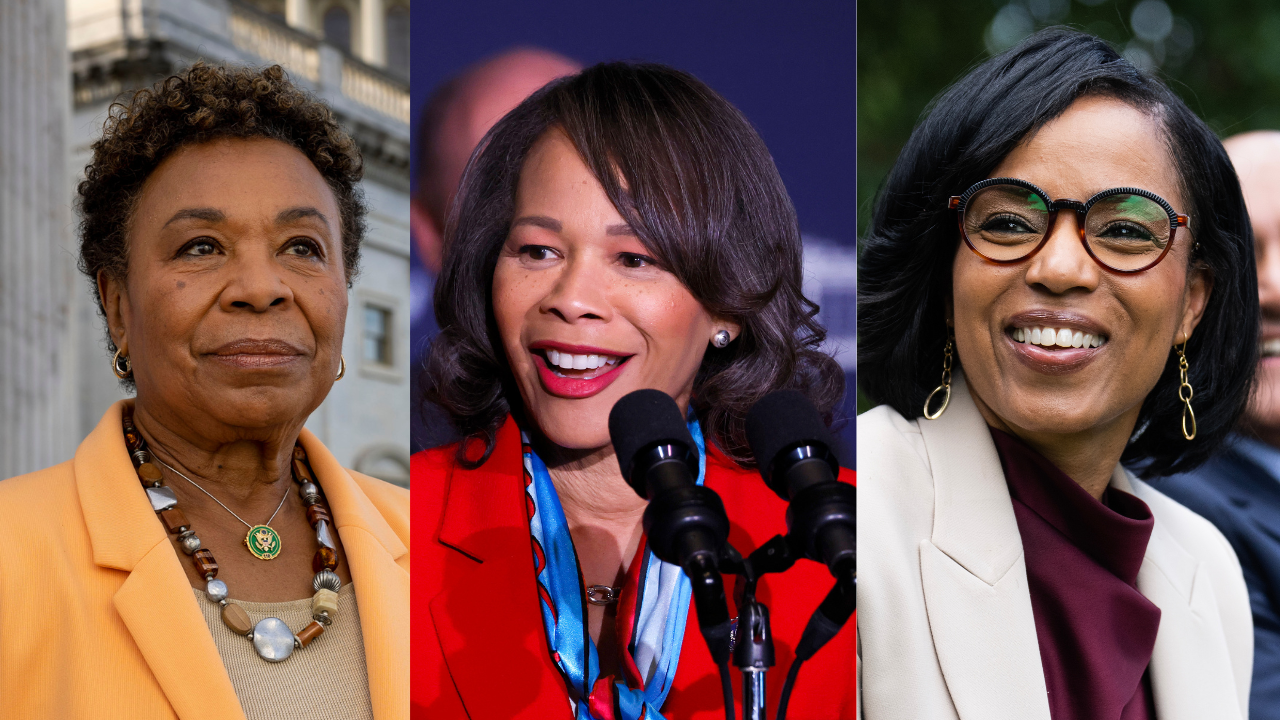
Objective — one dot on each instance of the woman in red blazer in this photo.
(623, 228)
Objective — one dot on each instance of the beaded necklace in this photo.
(271, 637)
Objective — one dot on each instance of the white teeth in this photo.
(1271, 347)
(569, 361)
(1064, 337)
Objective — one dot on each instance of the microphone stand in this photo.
(752, 645)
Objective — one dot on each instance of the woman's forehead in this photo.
(1097, 144)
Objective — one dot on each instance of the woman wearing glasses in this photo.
(1074, 248)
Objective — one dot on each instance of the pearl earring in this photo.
(721, 339)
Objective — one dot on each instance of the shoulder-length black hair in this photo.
(904, 272)
(693, 178)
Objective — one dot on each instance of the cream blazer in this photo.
(97, 617)
(944, 611)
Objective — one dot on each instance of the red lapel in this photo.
(486, 616)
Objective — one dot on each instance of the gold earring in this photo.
(342, 367)
(124, 370)
(1185, 392)
(944, 388)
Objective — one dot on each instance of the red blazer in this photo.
(479, 649)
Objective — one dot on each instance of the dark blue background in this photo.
(789, 66)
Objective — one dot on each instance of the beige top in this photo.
(326, 679)
(945, 625)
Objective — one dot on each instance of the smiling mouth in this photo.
(1269, 347)
(580, 367)
(1051, 338)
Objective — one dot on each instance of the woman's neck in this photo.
(603, 512)
(1088, 457)
(591, 487)
(243, 469)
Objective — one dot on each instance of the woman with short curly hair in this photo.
(621, 229)
(203, 555)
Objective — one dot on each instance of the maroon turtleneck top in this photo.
(1096, 631)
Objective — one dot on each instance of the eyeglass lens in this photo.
(1124, 231)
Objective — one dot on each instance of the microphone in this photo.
(792, 447)
(685, 522)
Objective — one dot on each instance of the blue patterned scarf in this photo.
(651, 614)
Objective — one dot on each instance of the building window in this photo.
(398, 40)
(337, 27)
(377, 335)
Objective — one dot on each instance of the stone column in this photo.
(37, 378)
(296, 15)
(373, 32)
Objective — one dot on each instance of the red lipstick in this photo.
(569, 387)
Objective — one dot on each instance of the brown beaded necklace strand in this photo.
(272, 639)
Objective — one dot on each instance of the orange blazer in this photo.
(479, 648)
(97, 618)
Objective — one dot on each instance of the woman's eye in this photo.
(1127, 231)
(537, 252)
(633, 260)
(1006, 224)
(303, 248)
(200, 247)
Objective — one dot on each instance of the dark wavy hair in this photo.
(904, 272)
(198, 105)
(693, 178)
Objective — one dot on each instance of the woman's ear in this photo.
(1199, 288)
(733, 328)
(115, 306)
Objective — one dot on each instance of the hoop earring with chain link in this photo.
(1185, 392)
(945, 387)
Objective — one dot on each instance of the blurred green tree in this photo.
(1221, 56)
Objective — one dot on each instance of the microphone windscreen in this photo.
(641, 419)
(779, 421)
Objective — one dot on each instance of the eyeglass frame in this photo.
(1081, 209)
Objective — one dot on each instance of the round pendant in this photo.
(273, 639)
(263, 542)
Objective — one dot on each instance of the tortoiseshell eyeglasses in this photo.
(1125, 230)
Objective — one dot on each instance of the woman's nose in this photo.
(579, 292)
(1063, 263)
(256, 283)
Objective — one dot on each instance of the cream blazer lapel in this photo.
(379, 561)
(155, 601)
(1191, 664)
(974, 574)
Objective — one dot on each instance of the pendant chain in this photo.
(224, 507)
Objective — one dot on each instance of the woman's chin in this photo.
(1040, 410)
(576, 434)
